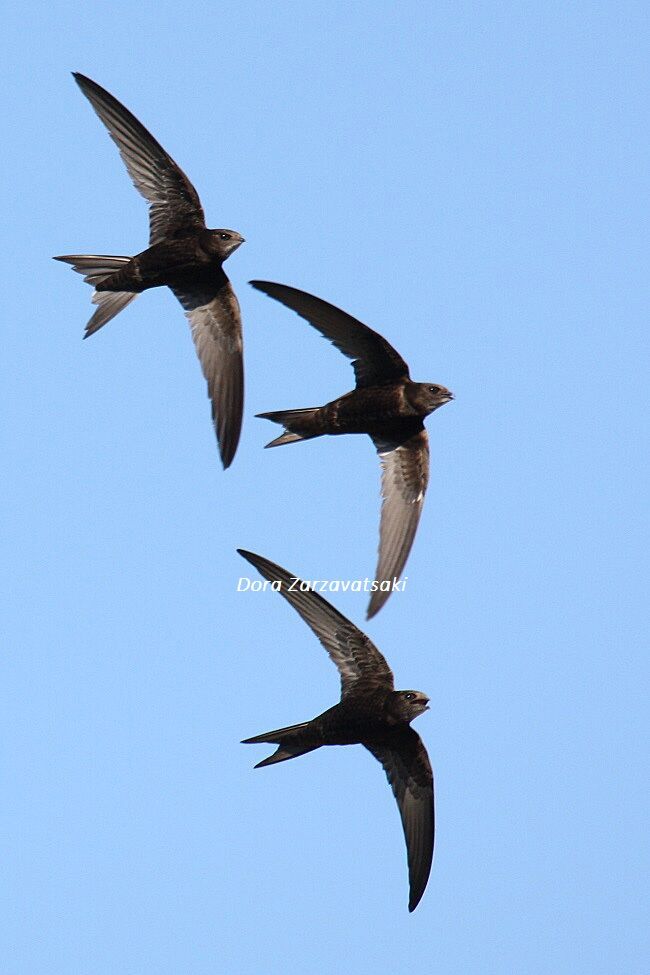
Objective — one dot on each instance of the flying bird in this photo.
(388, 406)
(182, 254)
(371, 713)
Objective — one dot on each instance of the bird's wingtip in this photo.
(372, 610)
(227, 451)
(249, 556)
(262, 285)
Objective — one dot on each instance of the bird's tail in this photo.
(283, 738)
(96, 267)
(299, 425)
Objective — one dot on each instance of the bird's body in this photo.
(392, 411)
(360, 718)
(183, 255)
(163, 264)
(387, 405)
(370, 713)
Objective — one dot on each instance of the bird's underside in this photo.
(183, 255)
(370, 713)
(386, 405)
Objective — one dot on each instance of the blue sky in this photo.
(472, 181)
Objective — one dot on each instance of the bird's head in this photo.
(407, 705)
(222, 243)
(427, 397)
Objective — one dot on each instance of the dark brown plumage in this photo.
(183, 255)
(386, 405)
(371, 713)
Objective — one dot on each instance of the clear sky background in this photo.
(471, 179)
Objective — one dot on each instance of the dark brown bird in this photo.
(371, 713)
(388, 406)
(182, 254)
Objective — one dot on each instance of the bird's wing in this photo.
(358, 660)
(405, 475)
(408, 770)
(175, 205)
(375, 361)
(213, 311)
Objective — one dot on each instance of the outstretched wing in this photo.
(408, 770)
(175, 205)
(213, 311)
(358, 660)
(375, 361)
(405, 475)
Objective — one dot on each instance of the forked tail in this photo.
(96, 267)
(299, 425)
(292, 741)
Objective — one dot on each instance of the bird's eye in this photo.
(225, 236)
(433, 389)
(409, 697)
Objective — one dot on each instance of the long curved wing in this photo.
(358, 660)
(375, 361)
(213, 312)
(175, 205)
(408, 770)
(405, 475)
